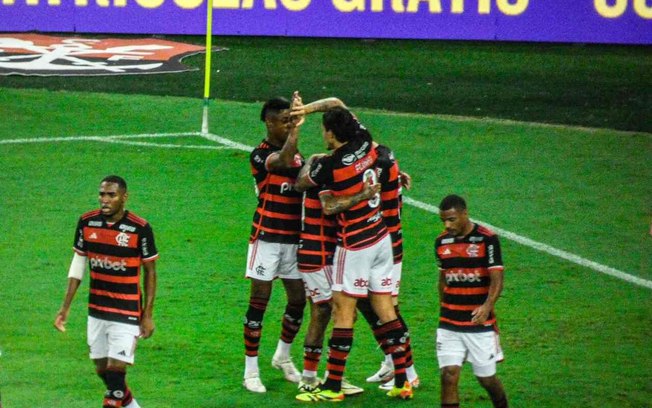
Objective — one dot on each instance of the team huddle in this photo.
(334, 222)
(329, 227)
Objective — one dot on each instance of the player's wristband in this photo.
(77, 267)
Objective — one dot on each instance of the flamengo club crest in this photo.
(41, 55)
(122, 239)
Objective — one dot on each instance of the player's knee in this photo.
(450, 375)
(323, 311)
(261, 289)
(295, 291)
(489, 383)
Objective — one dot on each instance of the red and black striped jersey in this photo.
(466, 264)
(115, 254)
(318, 234)
(343, 173)
(390, 195)
(278, 215)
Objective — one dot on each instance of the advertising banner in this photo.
(583, 21)
(43, 55)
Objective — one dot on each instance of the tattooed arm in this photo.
(321, 105)
(336, 204)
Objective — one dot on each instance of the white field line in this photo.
(94, 138)
(227, 143)
(122, 139)
(545, 248)
(490, 120)
(539, 246)
(164, 145)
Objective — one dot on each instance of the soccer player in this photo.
(392, 181)
(470, 283)
(116, 243)
(315, 259)
(363, 256)
(275, 164)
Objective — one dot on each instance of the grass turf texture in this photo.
(604, 86)
(572, 336)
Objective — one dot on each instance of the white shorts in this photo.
(318, 284)
(267, 261)
(112, 339)
(482, 350)
(397, 270)
(358, 272)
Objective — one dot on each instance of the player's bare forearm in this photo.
(441, 286)
(147, 318)
(333, 205)
(481, 314)
(495, 287)
(62, 315)
(321, 105)
(336, 204)
(150, 288)
(289, 150)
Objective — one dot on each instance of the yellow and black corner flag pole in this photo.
(207, 67)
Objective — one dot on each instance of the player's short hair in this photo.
(452, 201)
(273, 107)
(122, 184)
(343, 124)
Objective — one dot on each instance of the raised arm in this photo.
(286, 157)
(321, 105)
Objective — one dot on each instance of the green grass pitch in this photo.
(572, 336)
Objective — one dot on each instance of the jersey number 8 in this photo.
(370, 174)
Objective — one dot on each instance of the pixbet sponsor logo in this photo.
(286, 187)
(106, 263)
(459, 276)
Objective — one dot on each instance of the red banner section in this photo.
(42, 55)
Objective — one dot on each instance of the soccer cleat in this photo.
(309, 385)
(252, 383)
(321, 395)
(404, 393)
(384, 374)
(289, 370)
(390, 384)
(349, 389)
